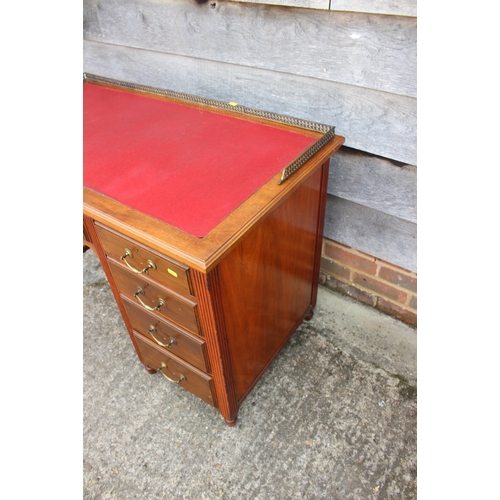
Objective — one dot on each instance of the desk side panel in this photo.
(268, 282)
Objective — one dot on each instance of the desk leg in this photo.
(319, 237)
(207, 290)
(310, 314)
(231, 423)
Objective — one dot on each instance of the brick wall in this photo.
(377, 283)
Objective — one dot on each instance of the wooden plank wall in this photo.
(395, 7)
(351, 64)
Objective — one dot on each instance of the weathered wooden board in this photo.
(363, 50)
(90, 21)
(376, 122)
(309, 4)
(384, 236)
(391, 7)
(374, 182)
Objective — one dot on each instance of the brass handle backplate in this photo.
(169, 345)
(161, 302)
(182, 377)
(128, 253)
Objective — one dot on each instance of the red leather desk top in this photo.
(185, 166)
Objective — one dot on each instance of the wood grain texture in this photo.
(308, 4)
(375, 122)
(374, 183)
(90, 19)
(267, 283)
(208, 289)
(384, 236)
(367, 51)
(391, 7)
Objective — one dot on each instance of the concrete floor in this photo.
(335, 416)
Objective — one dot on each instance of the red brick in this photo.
(335, 269)
(398, 278)
(413, 302)
(350, 257)
(397, 312)
(379, 288)
(351, 291)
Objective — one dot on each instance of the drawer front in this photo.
(179, 342)
(155, 298)
(165, 271)
(176, 370)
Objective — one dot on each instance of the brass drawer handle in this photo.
(169, 345)
(163, 365)
(161, 302)
(128, 253)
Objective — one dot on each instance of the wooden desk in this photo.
(207, 218)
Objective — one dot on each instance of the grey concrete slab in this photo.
(333, 418)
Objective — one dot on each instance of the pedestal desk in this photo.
(207, 218)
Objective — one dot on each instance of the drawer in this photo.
(176, 370)
(153, 297)
(141, 260)
(179, 342)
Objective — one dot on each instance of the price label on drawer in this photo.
(173, 273)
